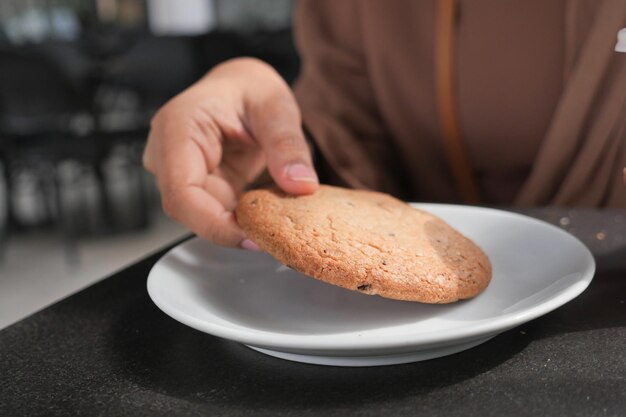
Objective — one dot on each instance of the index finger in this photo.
(202, 213)
(182, 178)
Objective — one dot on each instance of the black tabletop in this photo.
(109, 350)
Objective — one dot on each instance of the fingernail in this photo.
(300, 173)
(250, 245)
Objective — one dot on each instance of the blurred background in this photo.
(79, 82)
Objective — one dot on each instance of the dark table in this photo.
(109, 350)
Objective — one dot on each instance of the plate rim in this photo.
(352, 341)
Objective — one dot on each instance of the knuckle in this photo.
(146, 160)
(165, 114)
(217, 230)
(282, 104)
(288, 142)
(210, 231)
(159, 116)
(169, 202)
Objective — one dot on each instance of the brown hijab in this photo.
(542, 98)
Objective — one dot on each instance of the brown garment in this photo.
(541, 97)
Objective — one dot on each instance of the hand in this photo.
(206, 144)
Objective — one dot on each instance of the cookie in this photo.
(366, 241)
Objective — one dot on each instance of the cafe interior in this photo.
(79, 83)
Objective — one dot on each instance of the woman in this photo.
(518, 102)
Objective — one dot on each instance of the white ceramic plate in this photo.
(250, 298)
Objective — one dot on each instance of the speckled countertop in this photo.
(110, 351)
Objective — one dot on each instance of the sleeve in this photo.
(338, 105)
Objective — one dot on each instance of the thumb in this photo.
(276, 125)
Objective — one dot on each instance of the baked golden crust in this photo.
(366, 241)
